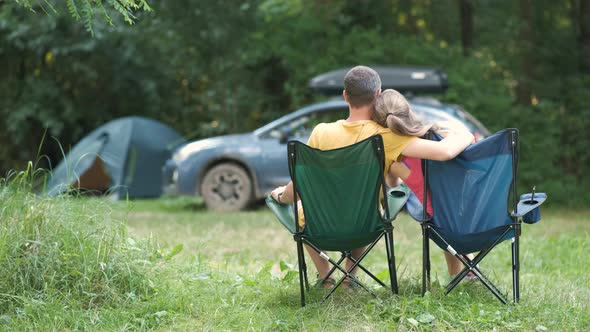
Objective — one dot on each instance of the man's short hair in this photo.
(361, 84)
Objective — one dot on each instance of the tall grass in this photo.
(59, 254)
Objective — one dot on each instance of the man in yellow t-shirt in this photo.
(328, 136)
(361, 86)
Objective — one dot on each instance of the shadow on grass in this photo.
(291, 298)
(181, 204)
(409, 290)
(195, 204)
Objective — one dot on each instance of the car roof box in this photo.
(407, 80)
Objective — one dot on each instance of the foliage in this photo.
(85, 10)
(214, 67)
(61, 253)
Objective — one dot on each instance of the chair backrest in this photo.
(339, 190)
(470, 194)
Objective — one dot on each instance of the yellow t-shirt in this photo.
(328, 136)
(334, 135)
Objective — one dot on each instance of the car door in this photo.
(274, 171)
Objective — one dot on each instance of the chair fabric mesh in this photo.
(470, 194)
(339, 190)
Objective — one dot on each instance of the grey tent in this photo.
(123, 157)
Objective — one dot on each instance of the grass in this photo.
(170, 265)
(226, 259)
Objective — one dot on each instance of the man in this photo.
(362, 85)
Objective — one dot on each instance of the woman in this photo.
(393, 111)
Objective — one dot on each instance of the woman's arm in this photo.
(454, 143)
(398, 172)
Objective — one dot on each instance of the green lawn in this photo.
(229, 277)
(169, 265)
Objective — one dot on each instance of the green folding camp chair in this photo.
(340, 191)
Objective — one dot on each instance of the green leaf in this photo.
(383, 275)
(174, 251)
(426, 318)
(73, 9)
(266, 268)
(413, 321)
(286, 266)
(290, 275)
(250, 282)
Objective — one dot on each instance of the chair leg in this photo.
(425, 259)
(347, 274)
(391, 261)
(428, 261)
(305, 274)
(347, 271)
(364, 269)
(473, 265)
(470, 265)
(340, 260)
(489, 285)
(301, 265)
(516, 265)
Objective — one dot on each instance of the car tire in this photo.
(227, 187)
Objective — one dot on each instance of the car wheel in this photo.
(227, 187)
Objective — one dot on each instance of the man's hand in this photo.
(278, 192)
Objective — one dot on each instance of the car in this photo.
(232, 171)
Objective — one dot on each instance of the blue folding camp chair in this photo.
(470, 196)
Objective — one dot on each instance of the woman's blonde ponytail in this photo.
(392, 110)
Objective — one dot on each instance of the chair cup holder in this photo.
(533, 216)
(530, 207)
(396, 199)
(397, 194)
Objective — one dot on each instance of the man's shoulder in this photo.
(326, 126)
(377, 128)
(321, 132)
(337, 123)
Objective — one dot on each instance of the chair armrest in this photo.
(396, 200)
(283, 212)
(528, 204)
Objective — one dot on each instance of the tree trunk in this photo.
(524, 90)
(466, 16)
(584, 35)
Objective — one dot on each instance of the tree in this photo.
(85, 10)
(524, 91)
(55, 79)
(214, 67)
(582, 7)
(466, 17)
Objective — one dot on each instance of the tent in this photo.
(123, 158)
